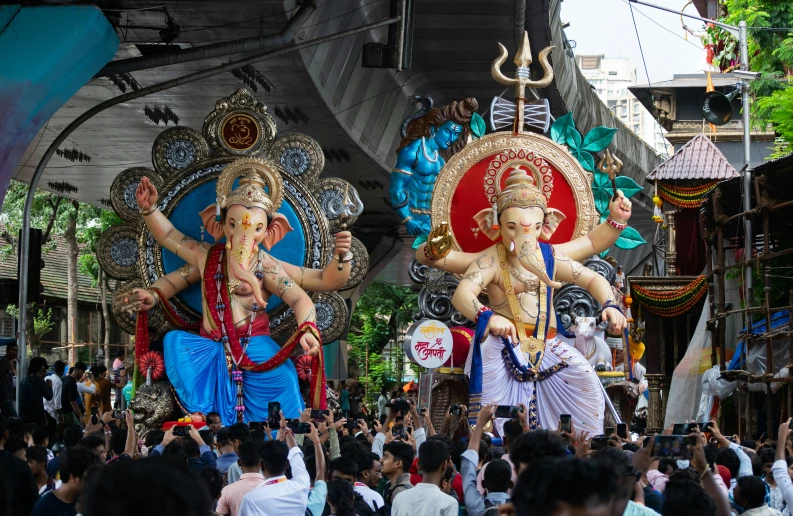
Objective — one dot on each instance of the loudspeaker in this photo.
(716, 107)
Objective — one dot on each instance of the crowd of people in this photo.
(388, 460)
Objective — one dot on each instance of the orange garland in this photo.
(673, 302)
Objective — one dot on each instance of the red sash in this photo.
(318, 396)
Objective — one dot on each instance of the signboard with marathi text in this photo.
(428, 343)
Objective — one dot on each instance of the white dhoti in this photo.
(574, 389)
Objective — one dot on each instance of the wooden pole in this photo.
(708, 238)
(722, 335)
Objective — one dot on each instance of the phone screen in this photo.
(274, 413)
(319, 415)
(504, 411)
(678, 429)
(181, 431)
(566, 423)
(675, 446)
(94, 415)
(622, 430)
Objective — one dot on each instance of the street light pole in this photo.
(740, 33)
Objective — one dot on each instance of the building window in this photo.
(7, 325)
(612, 72)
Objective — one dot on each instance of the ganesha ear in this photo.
(552, 220)
(213, 227)
(484, 221)
(276, 230)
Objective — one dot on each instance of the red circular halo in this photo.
(153, 360)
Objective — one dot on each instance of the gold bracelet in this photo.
(146, 213)
(406, 219)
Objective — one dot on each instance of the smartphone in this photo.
(678, 429)
(181, 431)
(301, 428)
(274, 414)
(94, 415)
(598, 443)
(352, 424)
(319, 415)
(566, 423)
(399, 404)
(455, 410)
(609, 430)
(118, 414)
(398, 431)
(689, 428)
(622, 430)
(707, 426)
(674, 446)
(424, 410)
(507, 411)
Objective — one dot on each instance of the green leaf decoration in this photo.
(598, 139)
(478, 126)
(585, 158)
(627, 185)
(601, 190)
(572, 138)
(629, 239)
(560, 126)
(604, 253)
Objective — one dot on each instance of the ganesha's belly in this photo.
(527, 303)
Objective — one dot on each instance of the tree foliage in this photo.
(374, 321)
(771, 54)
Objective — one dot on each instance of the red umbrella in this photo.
(303, 366)
(153, 360)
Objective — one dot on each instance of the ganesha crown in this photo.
(521, 192)
(257, 177)
(250, 193)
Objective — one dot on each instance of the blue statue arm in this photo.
(401, 176)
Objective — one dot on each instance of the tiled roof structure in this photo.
(697, 159)
(53, 275)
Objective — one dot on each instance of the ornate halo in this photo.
(299, 155)
(117, 251)
(511, 158)
(465, 172)
(178, 148)
(265, 169)
(332, 315)
(122, 192)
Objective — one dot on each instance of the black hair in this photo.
(14, 443)
(36, 453)
(154, 437)
(789, 461)
(120, 353)
(401, 451)
(484, 451)
(72, 435)
(342, 496)
(167, 487)
(729, 459)
(17, 427)
(249, 454)
(497, 477)
(239, 432)
(36, 365)
(39, 435)
(75, 461)
(224, 437)
(665, 463)
(176, 455)
(213, 414)
(512, 430)
(489, 440)
(752, 491)
(445, 439)
(213, 480)
(447, 474)
(433, 454)
(80, 365)
(456, 451)
(546, 484)
(364, 459)
(3, 427)
(274, 455)
(59, 367)
(118, 440)
(191, 447)
(757, 464)
(99, 370)
(685, 497)
(207, 436)
(711, 450)
(92, 442)
(683, 474)
(344, 465)
(766, 455)
(531, 447)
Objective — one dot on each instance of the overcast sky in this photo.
(606, 27)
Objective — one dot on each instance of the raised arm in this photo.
(280, 284)
(161, 228)
(603, 236)
(329, 279)
(142, 299)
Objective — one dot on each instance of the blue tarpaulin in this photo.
(777, 319)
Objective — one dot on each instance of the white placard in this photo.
(429, 343)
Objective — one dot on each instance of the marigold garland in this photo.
(685, 197)
(671, 303)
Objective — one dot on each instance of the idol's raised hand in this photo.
(620, 208)
(343, 243)
(146, 194)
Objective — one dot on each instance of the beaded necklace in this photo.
(236, 372)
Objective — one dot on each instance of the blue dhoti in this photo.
(199, 373)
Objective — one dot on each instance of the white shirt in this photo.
(55, 403)
(278, 496)
(424, 500)
(370, 496)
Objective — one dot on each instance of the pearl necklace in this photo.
(424, 151)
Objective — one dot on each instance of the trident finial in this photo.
(611, 165)
(522, 78)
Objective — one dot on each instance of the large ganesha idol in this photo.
(516, 241)
(237, 277)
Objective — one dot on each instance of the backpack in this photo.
(491, 509)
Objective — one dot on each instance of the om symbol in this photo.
(240, 132)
